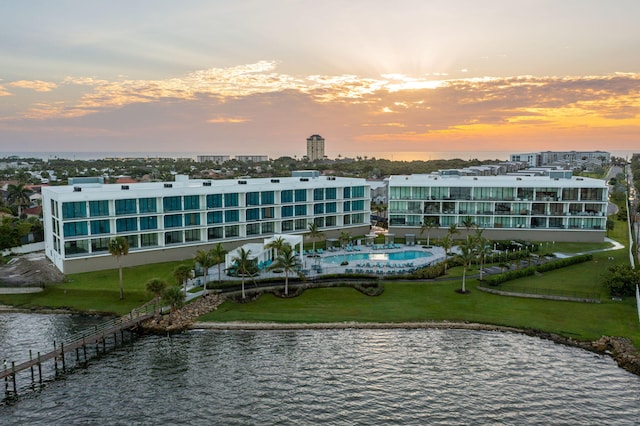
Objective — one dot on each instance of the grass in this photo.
(400, 302)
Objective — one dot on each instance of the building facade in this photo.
(252, 158)
(534, 208)
(217, 159)
(166, 221)
(315, 148)
(567, 158)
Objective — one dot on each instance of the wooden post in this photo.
(55, 358)
(104, 344)
(13, 375)
(64, 366)
(77, 354)
(39, 369)
(84, 349)
(6, 378)
(31, 367)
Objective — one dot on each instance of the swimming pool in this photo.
(377, 257)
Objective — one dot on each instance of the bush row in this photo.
(498, 279)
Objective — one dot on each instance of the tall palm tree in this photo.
(453, 230)
(483, 248)
(446, 245)
(156, 287)
(118, 247)
(314, 233)
(18, 195)
(467, 254)
(182, 273)
(203, 258)
(344, 239)
(244, 264)
(218, 254)
(287, 261)
(428, 224)
(276, 244)
(468, 223)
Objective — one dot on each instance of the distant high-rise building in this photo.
(315, 147)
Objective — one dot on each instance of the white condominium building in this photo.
(534, 208)
(165, 221)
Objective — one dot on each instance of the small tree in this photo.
(277, 244)
(314, 233)
(218, 254)
(182, 273)
(174, 297)
(288, 262)
(428, 225)
(118, 247)
(244, 264)
(204, 259)
(466, 255)
(344, 239)
(446, 245)
(622, 280)
(156, 287)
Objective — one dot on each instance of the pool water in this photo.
(393, 256)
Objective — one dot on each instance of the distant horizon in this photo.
(392, 156)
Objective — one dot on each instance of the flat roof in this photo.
(496, 181)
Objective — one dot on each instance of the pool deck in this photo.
(314, 266)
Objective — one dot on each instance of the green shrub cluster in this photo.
(428, 273)
(498, 279)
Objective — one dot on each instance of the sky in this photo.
(401, 80)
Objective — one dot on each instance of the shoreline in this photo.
(620, 349)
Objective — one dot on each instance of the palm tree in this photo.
(482, 248)
(287, 261)
(182, 273)
(344, 239)
(446, 245)
(156, 287)
(218, 254)
(244, 264)
(205, 260)
(467, 255)
(118, 247)
(173, 297)
(428, 225)
(453, 230)
(18, 195)
(468, 223)
(314, 233)
(276, 244)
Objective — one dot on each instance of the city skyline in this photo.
(370, 77)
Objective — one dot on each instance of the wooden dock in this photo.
(80, 343)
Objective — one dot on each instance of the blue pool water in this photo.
(376, 257)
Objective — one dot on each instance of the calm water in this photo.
(341, 377)
(393, 256)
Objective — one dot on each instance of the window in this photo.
(191, 202)
(482, 193)
(357, 191)
(570, 194)
(215, 233)
(72, 229)
(173, 237)
(267, 227)
(253, 214)
(172, 204)
(346, 219)
(267, 212)
(287, 225)
(330, 194)
(591, 194)
(74, 210)
(287, 211)
(191, 219)
(127, 224)
(301, 195)
(253, 229)
(148, 240)
(318, 194)
(252, 198)
(231, 216)
(148, 205)
(286, 196)
(358, 218)
(191, 235)
(76, 247)
(319, 222)
(127, 206)
(100, 227)
(331, 221)
(99, 245)
(214, 201)
(148, 222)
(347, 206)
(301, 224)
(357, 205)
(133, 241)
(99, 208)
(318, 208)
(231, 200)
(346, 192)
(231, 231)
(173, 221)
(267, 197)
(459, 193)
(301, 210)
(214, 217)
(330, 207)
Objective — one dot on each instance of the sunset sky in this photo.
(371, 77)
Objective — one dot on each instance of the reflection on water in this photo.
(338, 377)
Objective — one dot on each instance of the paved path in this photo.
(20, 290)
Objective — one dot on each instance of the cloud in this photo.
(228, 120)
(4, 91)
(37, 85)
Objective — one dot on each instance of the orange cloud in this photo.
(231, 120)
(37, 85)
